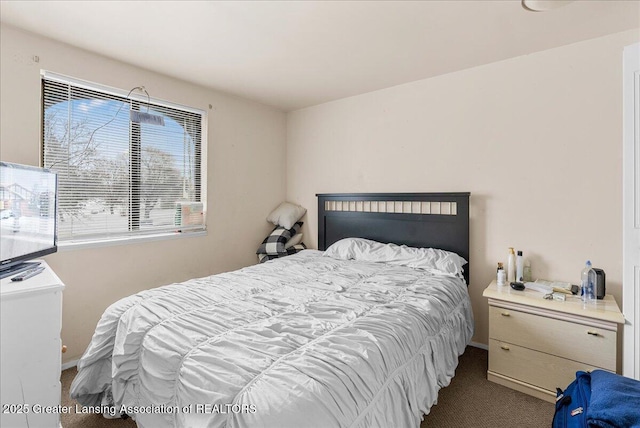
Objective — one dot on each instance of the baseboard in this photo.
(479, 345)
(70, 364)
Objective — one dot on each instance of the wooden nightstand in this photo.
(536, 345)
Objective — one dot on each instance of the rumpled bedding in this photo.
(303, 340)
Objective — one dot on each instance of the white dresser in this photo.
(30, 322)
(536, 345)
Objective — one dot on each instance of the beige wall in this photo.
(535, 139)
(246, 179)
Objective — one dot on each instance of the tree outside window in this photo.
(117, 177)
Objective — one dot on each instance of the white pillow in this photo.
(429, 259)
(286, 215)
(348, 248)
(297, 238)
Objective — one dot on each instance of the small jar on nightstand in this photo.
(501, 275)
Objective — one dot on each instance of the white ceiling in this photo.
(294, 54)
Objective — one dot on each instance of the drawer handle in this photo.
(505, 347)
(593, 333)
(505, 314)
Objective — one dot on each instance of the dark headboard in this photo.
(436, 220)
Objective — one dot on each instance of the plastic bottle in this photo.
(501, 278)
(586, 289)
(511, 265)
(519, 267)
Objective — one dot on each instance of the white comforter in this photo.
(302, 341)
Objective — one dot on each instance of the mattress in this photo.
(305, 340)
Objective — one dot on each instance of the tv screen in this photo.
(27, 213)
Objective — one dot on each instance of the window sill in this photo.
(68, 246)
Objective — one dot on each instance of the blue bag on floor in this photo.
(615, 401)
(572, 403)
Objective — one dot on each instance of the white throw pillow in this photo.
(286, 215)
(297, 238)
(429, 259)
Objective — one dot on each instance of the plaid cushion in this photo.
(274, 243)
(291, 250)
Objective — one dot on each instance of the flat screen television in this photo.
(28, 202)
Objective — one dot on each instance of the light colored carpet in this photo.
(469, 401)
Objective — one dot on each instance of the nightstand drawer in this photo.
(590, 345)
(532, 367)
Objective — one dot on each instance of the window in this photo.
(120, 178)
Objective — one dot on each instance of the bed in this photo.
(313, 339)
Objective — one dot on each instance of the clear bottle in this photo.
(511, 265)
(519, 267)
(586, 287)
(527, 271)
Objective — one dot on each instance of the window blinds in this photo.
(117, 178)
